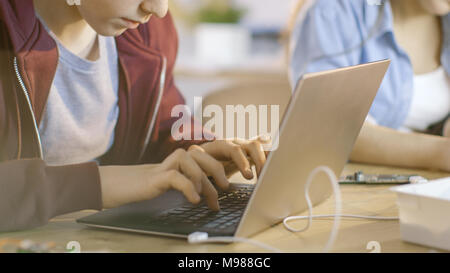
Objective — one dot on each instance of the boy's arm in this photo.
(31, 192)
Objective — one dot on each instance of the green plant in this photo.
(219, 11)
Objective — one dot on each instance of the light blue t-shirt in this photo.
(330, 27)
(81, 112)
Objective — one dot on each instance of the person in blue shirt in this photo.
(414, 98)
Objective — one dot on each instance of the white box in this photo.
(425, 213)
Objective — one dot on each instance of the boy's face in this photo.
(111, 17)
(438, 7)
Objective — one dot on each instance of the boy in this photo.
(86, 93)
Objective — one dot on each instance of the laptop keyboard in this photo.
(232, 205)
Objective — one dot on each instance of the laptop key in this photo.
(232, 206)
(210, 225)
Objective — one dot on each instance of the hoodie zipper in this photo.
(27, 96)
(162, 83)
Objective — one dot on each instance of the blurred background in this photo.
(232, 51)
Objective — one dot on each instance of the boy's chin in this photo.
(118, 32)
(110, 31)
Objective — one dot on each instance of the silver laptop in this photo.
(319, 127)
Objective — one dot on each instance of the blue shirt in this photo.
(331, 27)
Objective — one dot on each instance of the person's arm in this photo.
(385, 146)
(31, 192)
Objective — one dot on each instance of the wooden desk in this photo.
(354, 234)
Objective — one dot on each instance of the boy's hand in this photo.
(185, 171)
(239, 155)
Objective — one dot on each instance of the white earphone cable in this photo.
(202, 237)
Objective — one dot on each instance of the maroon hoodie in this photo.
(30, 192)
